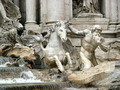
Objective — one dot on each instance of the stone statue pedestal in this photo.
(87, 20)
(89, 15)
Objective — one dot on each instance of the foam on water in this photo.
(30, 79)
(29, 74)
(5, 64)
(19, 80)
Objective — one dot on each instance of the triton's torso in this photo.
(88, 43)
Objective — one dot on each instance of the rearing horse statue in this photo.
(54, 52)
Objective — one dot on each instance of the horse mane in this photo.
(50, 29)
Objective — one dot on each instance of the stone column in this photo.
(30, 11)
(43, 11)
(114, 14)
(31, 15)
(106, 8)
(118, 11)
(118, 26)
(55, 10)
(71, 9)
(68, 9)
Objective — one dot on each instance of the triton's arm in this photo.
(77, 31)
(102, 46)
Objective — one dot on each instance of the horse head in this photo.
(61, 29)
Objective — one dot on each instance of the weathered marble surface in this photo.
(55, 54)
(85, 6)
(113, 53)
(88, 76)
(10, 33)
(90, 42)
(23, 52)
(87, 23)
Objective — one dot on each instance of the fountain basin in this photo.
(34, 86)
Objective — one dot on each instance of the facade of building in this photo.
(39, 13)
(46, 11)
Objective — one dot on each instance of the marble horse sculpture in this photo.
(54, 53)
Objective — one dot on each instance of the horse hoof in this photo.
(61, 70)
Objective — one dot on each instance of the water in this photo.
(22, 78)
(27, 80)
(25, 77)
(19, 80)
(8, 62)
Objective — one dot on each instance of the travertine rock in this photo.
(87, 76)
(13, 13)
(113, 80)
(10, 29)
(7, 40)
(22, 51)
(113, 52)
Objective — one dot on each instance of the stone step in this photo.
(87, 23)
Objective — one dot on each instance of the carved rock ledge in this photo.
(87, 76)
(22, 51)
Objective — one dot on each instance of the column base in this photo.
(113, 25)
(118, 31)
(118, 34)
(118, 27)
(32, 28)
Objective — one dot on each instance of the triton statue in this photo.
(90, 42)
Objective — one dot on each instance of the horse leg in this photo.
(69, 60)
(60, 67)
(86, 62)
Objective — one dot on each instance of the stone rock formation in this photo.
(10, 33)
(23, 52)
(10, 30)
(113, 53)
(96, 73)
